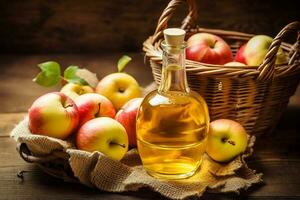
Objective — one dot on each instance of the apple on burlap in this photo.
(53, 114)
(73, 90)
(92, 105)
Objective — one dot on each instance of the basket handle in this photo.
(267, 68)
(190, 19)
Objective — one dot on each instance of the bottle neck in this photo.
(173, 70)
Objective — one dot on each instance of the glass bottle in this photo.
(173, 121)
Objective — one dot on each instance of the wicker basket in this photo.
(255, 96)
(55, 164)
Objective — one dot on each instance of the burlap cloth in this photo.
(97, 170)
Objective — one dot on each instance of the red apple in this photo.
(103, 134)
(208, 48)
(127, 117)
(92, 105)
(240, 54)
(53, 114)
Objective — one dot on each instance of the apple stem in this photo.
(121, 90)
(231, 142)
(63, 80)
(99, 107)
(81, 91)
(215, 43)
(68, 105)
(121, 145)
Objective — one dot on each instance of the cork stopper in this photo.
(174, 36)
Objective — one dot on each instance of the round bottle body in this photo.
(172, 131)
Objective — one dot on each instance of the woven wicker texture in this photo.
(255, 96)
(60, 159)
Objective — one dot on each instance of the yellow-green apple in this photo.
(103, 134)
(127, 117)
(73, 90)
(235, 64)
(240, 54)
(119, 88)
(257, 48)
(53, 114)
(208, 48)
(226, 139)
(92, 105)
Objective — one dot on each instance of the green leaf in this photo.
(123, 61)
(49, 75)
(70, 75)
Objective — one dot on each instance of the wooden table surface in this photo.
(277, 155)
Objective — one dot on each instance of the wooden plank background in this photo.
(68, 26)
(18, 91)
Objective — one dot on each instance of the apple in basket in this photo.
(105, 135)
(240, 54)
(208, 48)
(53, 114)
(92, 105)
(226, 139)
(119, 87)
(73, 90)
(127, 117)
(257, 48)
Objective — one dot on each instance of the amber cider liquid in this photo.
(171, 133)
